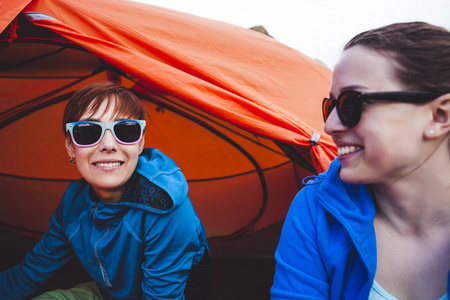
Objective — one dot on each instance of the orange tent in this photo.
(238, 111)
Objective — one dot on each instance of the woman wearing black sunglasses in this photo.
(376, 225)
(129, 220)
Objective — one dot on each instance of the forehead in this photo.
(364, 70)
(107, 107)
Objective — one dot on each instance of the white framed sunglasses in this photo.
(90, 133)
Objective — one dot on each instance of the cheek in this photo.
(82, 156)
(391, 154)
(380, 141)
(83, 153)
(133, 154)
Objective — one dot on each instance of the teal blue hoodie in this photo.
(140, 248)
(327, 248)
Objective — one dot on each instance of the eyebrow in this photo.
(353, 88)
(349, 88)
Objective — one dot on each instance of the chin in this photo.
(352, 177)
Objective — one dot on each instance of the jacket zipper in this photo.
(104, 275)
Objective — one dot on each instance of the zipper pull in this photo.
(93, 210)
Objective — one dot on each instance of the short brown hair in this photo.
(91, 96)
(421, 52)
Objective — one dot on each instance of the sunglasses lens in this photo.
(86, 133)
(327, 108)
(128, 131)
(349, 109)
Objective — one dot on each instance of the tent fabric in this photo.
(235, 108)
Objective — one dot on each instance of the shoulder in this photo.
(177, 227)
(75, 188)
(75, 199)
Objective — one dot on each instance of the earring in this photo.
(430, 132)
(71, 160)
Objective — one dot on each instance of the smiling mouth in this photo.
(108, 165)
(347, 150)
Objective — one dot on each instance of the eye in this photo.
(369, 102)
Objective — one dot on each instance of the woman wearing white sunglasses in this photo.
(376, 225)
(129, 220)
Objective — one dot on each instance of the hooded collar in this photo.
(353, 206)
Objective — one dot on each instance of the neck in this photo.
(109, 196)
(417, 203)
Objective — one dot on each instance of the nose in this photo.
(108, 143)
(333, 123)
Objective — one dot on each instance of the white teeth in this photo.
(108, 165)
(347, 150)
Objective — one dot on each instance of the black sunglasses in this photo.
(349, 104)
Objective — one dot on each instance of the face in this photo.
(108, 165)
(386, 143)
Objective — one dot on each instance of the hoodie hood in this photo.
(158, 185)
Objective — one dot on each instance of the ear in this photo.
(69, 147)
(440, 123)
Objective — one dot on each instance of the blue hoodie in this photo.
(327, 248)
(140, 248)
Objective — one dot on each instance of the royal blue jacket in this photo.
(327, 248)
(140, 248)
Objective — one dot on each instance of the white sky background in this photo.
(317, 28)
